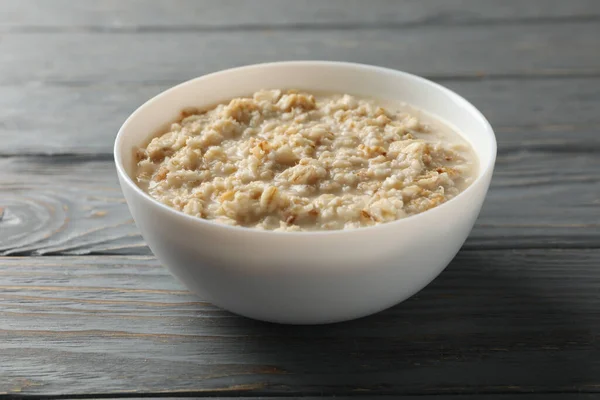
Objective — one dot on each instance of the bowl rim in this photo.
(483, 171)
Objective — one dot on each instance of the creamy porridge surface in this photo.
(292, 161)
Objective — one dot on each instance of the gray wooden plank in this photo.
(118, 14)
(436, 51)
(48, 119)
(494, 322)
(64, 202)
(73, 205)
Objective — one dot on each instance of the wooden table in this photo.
(85, 310)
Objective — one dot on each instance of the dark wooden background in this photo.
(86, 311)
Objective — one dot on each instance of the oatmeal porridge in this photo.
(294, 161)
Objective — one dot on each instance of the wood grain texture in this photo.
(73, 205)
(55, 204)
(122, 324)
(526, 114)
(107, 15)
(435, 52)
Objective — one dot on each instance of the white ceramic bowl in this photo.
(306, 277)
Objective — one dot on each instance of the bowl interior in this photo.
(355, 79)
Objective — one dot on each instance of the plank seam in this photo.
(466, 248)
(548, 74)
(440, 21)
(216, 393)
